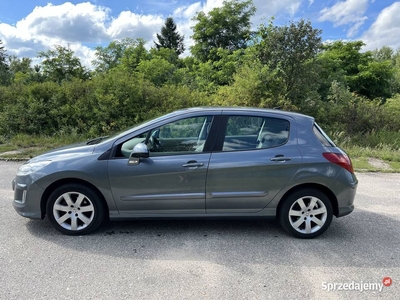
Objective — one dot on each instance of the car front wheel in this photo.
(75, 209)
(306, 213)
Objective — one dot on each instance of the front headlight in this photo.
(32, 167)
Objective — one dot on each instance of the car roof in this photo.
(294, 115)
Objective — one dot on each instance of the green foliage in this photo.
(373, 80)
(134, 54)
(353, 114)
(226, 27)
(197, 75)
(291, 50)
(358, 70)
(109, 57)
(60, 64)
(251, 87)
(383, 54)
(22, 65)
(157, 70)
(169, 37)
(4, 68)
(395, 81)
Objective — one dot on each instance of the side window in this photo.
(242, 132)
(274, 133)
(126, 148)
(179, 137)
(249, 132)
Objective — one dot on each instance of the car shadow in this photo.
(357, 240)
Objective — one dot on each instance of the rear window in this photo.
(322, 136)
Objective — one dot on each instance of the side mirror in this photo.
(138, 152)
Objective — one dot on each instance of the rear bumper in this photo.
(344, 211)
(346, 193)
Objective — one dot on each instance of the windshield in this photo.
(130, 129)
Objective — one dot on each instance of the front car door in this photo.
(172, 180)
(256, 156)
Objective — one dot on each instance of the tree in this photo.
(227, 27)
(4, 69)
(17, 64)
(291, 50)
(365, 73)
(20, 69)
(373, 80)
(384, 53)
(346, 55)
(157, 70)
(109, 57)
(60, 64)
(134, 54)
(170, 38)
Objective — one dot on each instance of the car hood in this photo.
(66, 152)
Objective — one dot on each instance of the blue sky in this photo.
(29, 26)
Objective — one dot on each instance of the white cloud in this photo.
(82, 25)
(187, 12)
(128, 24)
(385, 30)
(74, 25)
(349, 12)
(81, 22)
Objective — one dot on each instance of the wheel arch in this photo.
(51, 188)
(331, 196)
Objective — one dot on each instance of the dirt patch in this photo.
(8, 153)
(379, 164)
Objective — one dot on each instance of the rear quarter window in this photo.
(322, 136)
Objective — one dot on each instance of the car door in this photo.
(257, 156)
(171, 180)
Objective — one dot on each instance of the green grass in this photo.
(395, 165)
(29, 146)
(361, 164)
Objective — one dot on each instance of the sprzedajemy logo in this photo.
(357, 286)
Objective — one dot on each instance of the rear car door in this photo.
(256, 155)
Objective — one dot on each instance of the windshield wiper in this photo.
(96, 140)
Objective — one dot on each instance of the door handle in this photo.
(193, 164)
(281, 158)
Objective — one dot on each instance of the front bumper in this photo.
(27, 198)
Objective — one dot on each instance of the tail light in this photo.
(340, 159)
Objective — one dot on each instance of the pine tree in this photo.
(170, 38)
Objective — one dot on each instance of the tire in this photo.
(75, 209)
(306, 213)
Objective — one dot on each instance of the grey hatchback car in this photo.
(197, 162)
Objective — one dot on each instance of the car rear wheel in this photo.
(75, 209)
(306, 213)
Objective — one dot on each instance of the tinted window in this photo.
(248, 132)
(182, 136)
(322, 136)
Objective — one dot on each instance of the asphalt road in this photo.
(204, 259)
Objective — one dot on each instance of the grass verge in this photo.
(23, 147)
